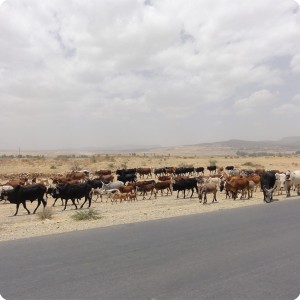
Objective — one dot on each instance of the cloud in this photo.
(255, 102)
(140, 62)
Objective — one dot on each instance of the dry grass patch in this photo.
(46, 213)
(91, 214)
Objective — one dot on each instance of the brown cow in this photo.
(147, 188)
(164, 178)
(16, 182)
(255, 178)
(103, 172)
(76, 176)
(163, 185)
(144, 171)
(126, 189)
(237, 184)
(107, 178)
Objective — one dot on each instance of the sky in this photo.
(103, 73)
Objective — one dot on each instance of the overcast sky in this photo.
(143, 72)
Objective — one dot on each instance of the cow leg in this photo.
(66, 204)
(39, 203)
(17, 208)
(192, 192)
(24, 205)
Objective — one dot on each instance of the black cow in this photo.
(160, 171)
(71, 192)
(267, 183)
(185, 184)
(199, 170)
(212, 169)
(52, 192)
(96, 183)
(20, 194)
(127, 177)
(126, 171)
(228, 168)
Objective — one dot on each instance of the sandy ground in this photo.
(24, 225)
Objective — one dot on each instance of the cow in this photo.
(228, 168)
(212, 169)
(280, 181)
(267, 183)
(77, 175)
(163, 185)
(21, 194)
(164, 178)
(112, 185)
(106, 178)
(126, 171)
(144, 171)
(16, 182)
(159, 172)
(126, 189)
(255, 178)
(71, 192)
(236, 184)
(183, 185)
(103, 172)
(144, 189)
(207, 188)
(130, 177)
(118, 196)
(294, 178)
(199, 170)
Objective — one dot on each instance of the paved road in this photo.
(247, 253)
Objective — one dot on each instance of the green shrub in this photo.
(91, 214)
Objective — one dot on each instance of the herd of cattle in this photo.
(131, 183)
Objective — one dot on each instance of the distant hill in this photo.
(230, 147)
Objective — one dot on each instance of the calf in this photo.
(118, 196)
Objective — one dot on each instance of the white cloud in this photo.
(295, 63)
(167, 61)
(287, 109)
(254, 102)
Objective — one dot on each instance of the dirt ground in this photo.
(24, 226)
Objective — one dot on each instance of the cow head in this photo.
(268, 194)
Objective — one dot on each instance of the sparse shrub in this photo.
(111, 165)
(46, 213)
(53, 167)
(212, 162)
(91, 214)
(93, 159)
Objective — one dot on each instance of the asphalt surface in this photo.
(245, 253)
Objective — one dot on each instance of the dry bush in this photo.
(46, 213)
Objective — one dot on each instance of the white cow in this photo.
(294, 180)
(280, 182)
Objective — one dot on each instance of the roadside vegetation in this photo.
(90, 214)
